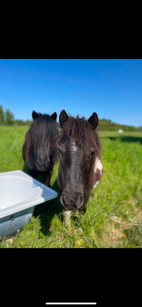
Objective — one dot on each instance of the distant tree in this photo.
(8, 117)
(1, 114)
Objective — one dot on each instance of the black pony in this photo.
(39, 149)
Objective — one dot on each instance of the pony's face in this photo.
(78, 153)
(75, 166)
(40, 142)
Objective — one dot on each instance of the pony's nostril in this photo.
(46, 163)
(42, 163)
(79, 200)
(62, 200)
(72, 201)
(38, 163)
(66, 200)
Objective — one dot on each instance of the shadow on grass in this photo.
(47, 210)
(25, 168)
(129, 139)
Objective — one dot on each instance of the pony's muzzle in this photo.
(42, 165)
(71, 201)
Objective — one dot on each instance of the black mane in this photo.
(45, 124)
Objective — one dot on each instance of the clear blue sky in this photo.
(110, 87)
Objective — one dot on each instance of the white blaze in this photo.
(74, 147)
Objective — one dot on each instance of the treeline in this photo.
(7, 118)
(106, 124)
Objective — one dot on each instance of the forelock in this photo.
(80, 130)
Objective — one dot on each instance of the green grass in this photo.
(114, 210)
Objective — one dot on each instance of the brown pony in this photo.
(80, 166)
(39, 149)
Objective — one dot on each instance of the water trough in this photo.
(19, 194)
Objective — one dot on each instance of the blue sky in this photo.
(110, 87)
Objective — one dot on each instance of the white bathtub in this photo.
(19, 194)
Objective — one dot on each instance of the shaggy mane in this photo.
(45, 123)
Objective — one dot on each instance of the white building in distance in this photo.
(120, 130)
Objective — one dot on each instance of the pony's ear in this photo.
(93, 120)
(54, 116)
(34, 115)
(63, 117)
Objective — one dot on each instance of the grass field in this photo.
(114, 210)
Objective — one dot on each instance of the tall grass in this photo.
(114, 210)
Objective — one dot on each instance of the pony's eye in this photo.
(92, 153)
